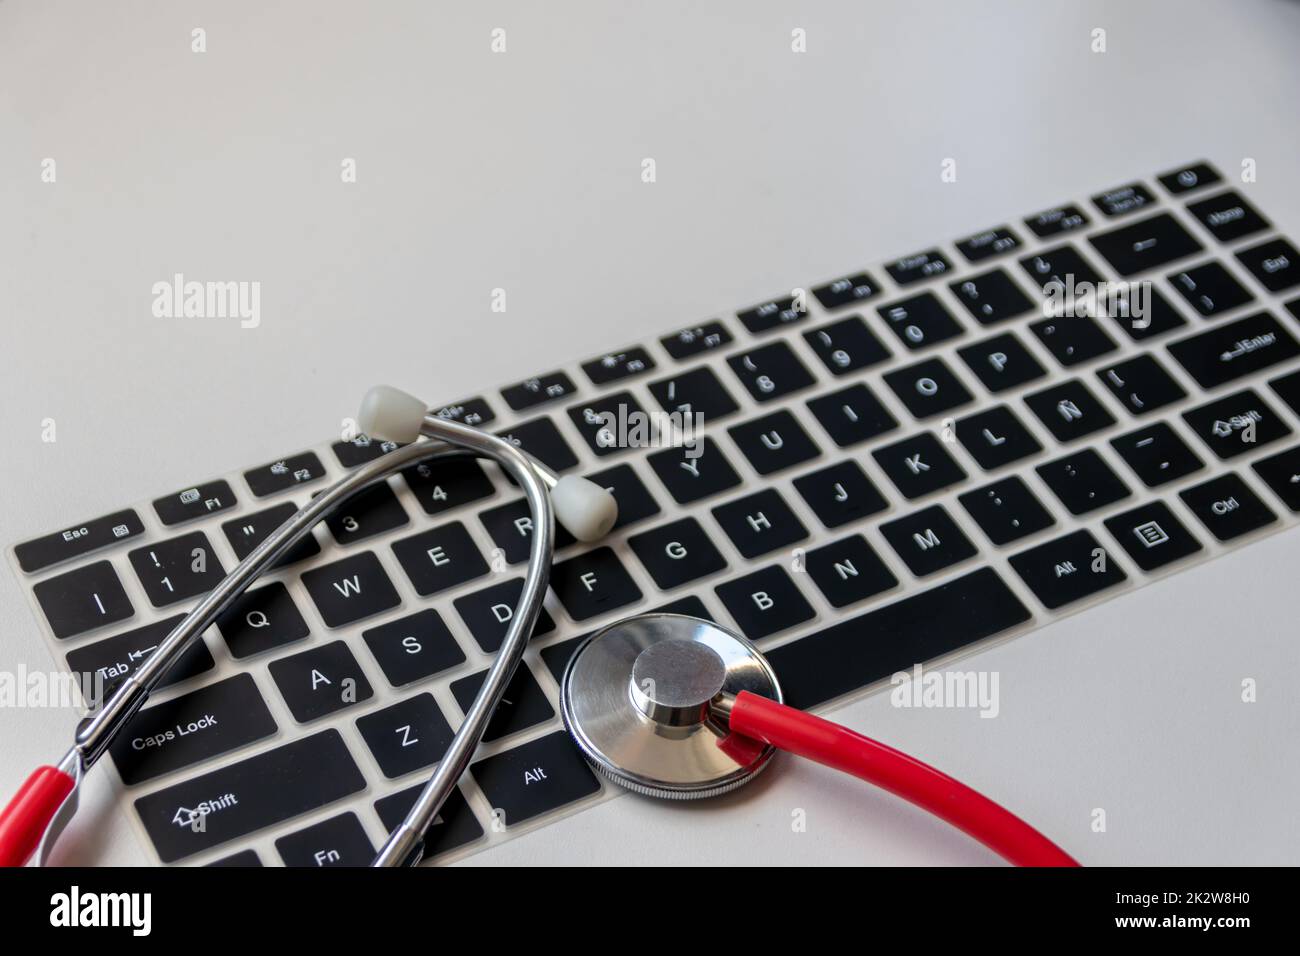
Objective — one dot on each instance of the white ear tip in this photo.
(390, 414)
(585, 509)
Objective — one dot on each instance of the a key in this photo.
(616, 366)
(919, 465)
(1152, 536)
(1125, 199)
(1227, 507)
(846, 291)
(1282, 473)
(848, 571)
(1062, 268)
(635, 503)
(83, 599)
(1233, 350)
(541, 439)
(695, 392)
(692, 474)
(1073, 339)
(440, 558)
(320, 681)
(1186, 178)
(285, 473)
(773, 442)
(696, 340)
(442, 485)
(534, 778)
(1141, 384)
(261, 619)
(1145, 244)
(770, 371)
(1069, 410)
(840, 494)
(1275, 263)
(414, 647)
(989, 243)
(612, 423)
(337, 841)
(1001, 362)
(1210, 289)
(487, 614)
(105, 664)
(928, 388)
(523, 705)
(1059, 219)
(532, 392)
(593, 583)
(1068, 569)
(369, 512)
(407, 736)
(992, 297)
(1083, 481)
(765, 602)
(177, 569)
(1006, 510)
(920, 321)
(82, 539)
(1156, 454)
(851, 415)
(677, 553)
(760, 523)
(350, 589)
(1143, 313)
(1228, 216)
(922, 265)
(928, 540)
(773, 314)
(361, 449)
(846, 345)
(197, 501)
(453, 827)
(995, 437)
(511, 529)
(1236, 424)
(248, 531)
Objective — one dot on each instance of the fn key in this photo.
(534, 778)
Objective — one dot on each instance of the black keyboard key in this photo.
(773, 442)
(414, 647)
(557, 656)
(1006, 510)
(1236, 424)
(248, 531)
(1236, 349)
(511, 529)
(1125, 199)
(852, 415)
(840, 494)
(320, 681)
(442, 485)
(1210, 289)
(919, 465)
(770, 371)
(612, 423)
(765, 602)
(1288, 387)
(194, 727)
(1157, 455)
(1073, 339)
(1227, 507)
(244, 858)
(760, 523)
(928, 540)
(1228, 216)
(836, 660)
(848, 571)
(177, 569)
(523, 705)
(1275, 263)
(1143, 313)
(1083, 481)
(532, 392)
(83, 599)
(1062, 269)
(846, 291)
(1069, 410)
(1068, 569)
(440, 558)
(774, 313)
(350, 589)
(407, 736)
(928, 388)
(453, 827)
(104, 664)
(1053, 222)
(1152, 536)
(1282, 473)
(692, 474)
(369, 512)
(920, 321)
(593, 583)
(1143, 245)
(1141, 384)
(534, 778)
(695, 392)
(635, 503)
(846, 346)
(1001, 362)
(1186, 178)
(284, 473)
(991, 242)
(198, 501)
(696, 340)
(541, 439)
(487, 614)
(338, 841)
(616, 366)
(922, 265)
(992, 297)
(254, 793)
(73, 542)
(995, 437)
(261, 619)
(677, 553)
(361, 449)
(472, 411)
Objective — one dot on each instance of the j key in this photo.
(1001, 362)
(1145, 314)
(991, 242)
(1083, 481)
(1146, 244)
(1275, 263)
(593, 583)
(511, 529)
(1068, 569)
(836, 660)
(177, 569)
(635, 503)
(254, 793)
(846, 346)
(472, 411)
(414, 647)
(1053, 222)
(1236, 424)
(1228, 216)
(410, 735)
(487, 614)
(765, 602)
(677, 553)
(261, 619)
(616, 366)
(1125, 199)
(1061, 267)
(612, 423)
(73, 542)
(522, 706)
(442, 485)
(689, 476)
(1210, 289)
(995, 437)
(773, 442)
(338, 841)
(922, 265)
(320, 681)
(774, 313)
(195, 502)
(928, 540)
(369, 512)
(453, 827)
(1073, 339)
(852, 415)
(541, 439)
(1282, 472)
(1141, 384)
(351, 589)
(1152, 536)
(848, 571)
(770, 371)
(846, 291)
(197, 726)
(920, 321)
(105, 664)
(1157, 455)
(534, 778)
(1187, 178)
(696, 392)
(360, 450)
(1227, 507)
(992, 297)
(1069, 410)
(919, 465)
(439, 558)
(760, 523)
(1006, 510)
(284, 473)
(696, 340)
(928, 388)
(1233, 350)
(247, 532)
(840, 494)
(538, 391)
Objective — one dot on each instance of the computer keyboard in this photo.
(894, 466)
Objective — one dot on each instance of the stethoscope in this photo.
(665, 705)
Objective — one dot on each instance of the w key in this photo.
(348, 590)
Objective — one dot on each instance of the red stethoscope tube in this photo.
(834, 746)
(24, 821)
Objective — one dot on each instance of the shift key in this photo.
(246, 796)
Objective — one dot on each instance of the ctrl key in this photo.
(534, 778)
(246, 796)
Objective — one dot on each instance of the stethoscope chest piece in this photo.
(641, 697)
